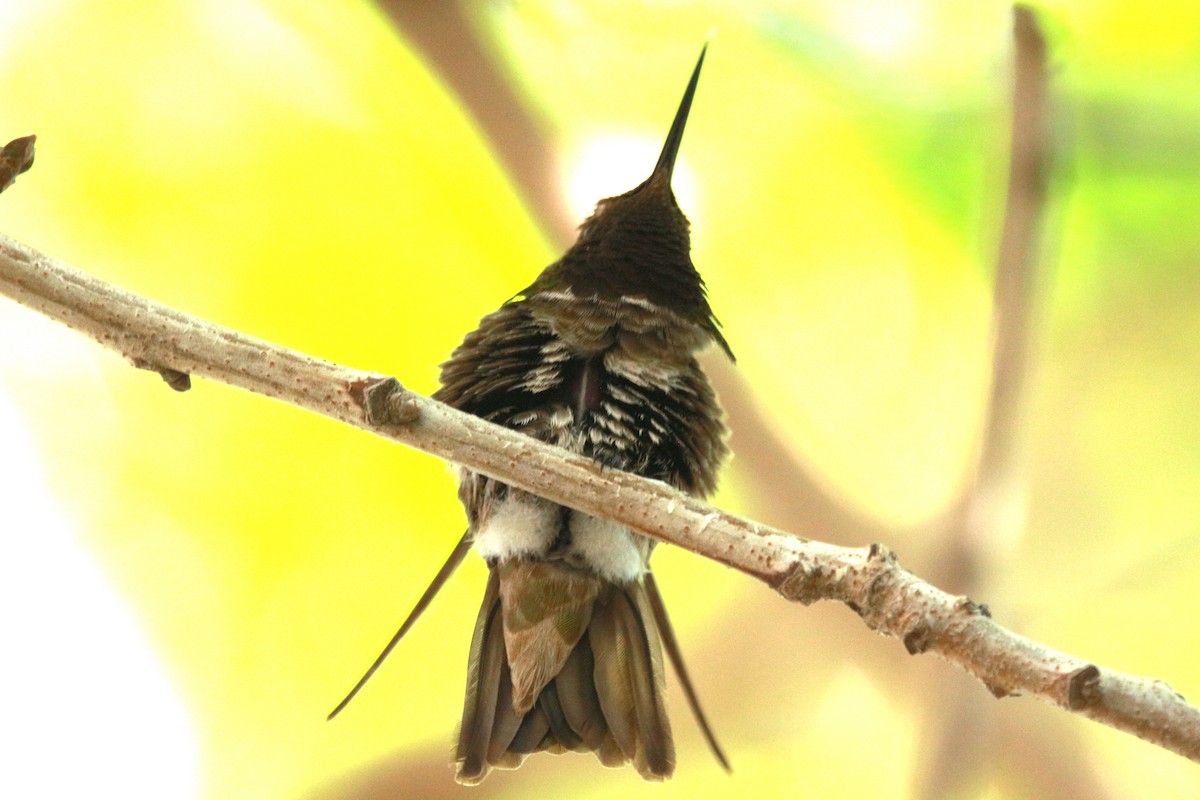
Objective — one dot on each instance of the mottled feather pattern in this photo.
(616, 381)
(658, 415)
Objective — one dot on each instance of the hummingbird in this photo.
(598, 356)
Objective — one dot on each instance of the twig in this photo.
(15, 157)
(889, 599)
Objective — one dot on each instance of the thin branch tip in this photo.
(16, 157)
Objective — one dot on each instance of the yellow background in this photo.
(192, 581)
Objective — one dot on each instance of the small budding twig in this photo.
(15, 157)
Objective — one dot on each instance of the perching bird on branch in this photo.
(597, 356)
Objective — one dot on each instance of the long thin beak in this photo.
(666, 160)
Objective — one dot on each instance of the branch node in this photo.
(1083, 687)
(803, 583)
(881, 567)
(918, 638)
(881, 552)
(179, 381)
(999, 692)
(966, 604)
(387, 402)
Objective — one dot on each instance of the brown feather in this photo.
(483, 684)
(546, 606)
(507, 721)
(610, 754)
(533, 730)
(576, 686)
(611, 653)
(655, 757)
(559, 728)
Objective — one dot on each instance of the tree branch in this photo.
(869, 580)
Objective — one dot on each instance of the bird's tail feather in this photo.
(605, 696)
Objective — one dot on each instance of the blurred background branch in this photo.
(961, 729)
